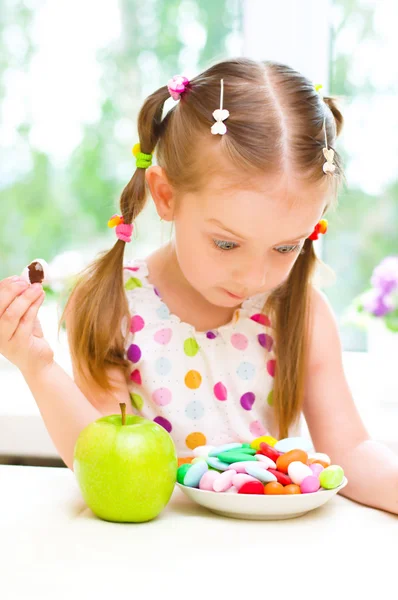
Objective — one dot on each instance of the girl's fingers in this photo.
(10, 318)
(27, 322)
(37, 331)
(9, 290)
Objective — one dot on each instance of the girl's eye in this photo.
(223, 245)
(288, 249)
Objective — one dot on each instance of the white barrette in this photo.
(328, 153)
(220, 114)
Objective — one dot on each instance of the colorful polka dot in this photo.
(162, 396)
(163, 312)
(211, 335)
(271, 366)
(132, 283)
(136, 401)
(195, 410)
(136, 324)
(265, 341)
(220, 391)
(257, 429)
(270, 398)
(164, 423)
(163, 336)
(134, 353)
(247, 400)
(193, 379)
(239, 341)
(246, 370)
(131, 268)
(191, 347)
(136, 376)
(163, 366)
(262, 319)
(195, 439)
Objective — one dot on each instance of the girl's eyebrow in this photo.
(217, 222)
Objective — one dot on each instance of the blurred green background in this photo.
(67, 130)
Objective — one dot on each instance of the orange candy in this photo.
(292, 489)
(324, 464)
(284, 460)
(273, 488)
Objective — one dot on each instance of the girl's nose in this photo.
(252, 277)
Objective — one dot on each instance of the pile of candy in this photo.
(264, 466)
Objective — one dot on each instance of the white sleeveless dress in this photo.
(204, 387)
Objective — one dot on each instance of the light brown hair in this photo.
(275, 127)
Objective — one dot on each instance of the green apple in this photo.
(126, 467)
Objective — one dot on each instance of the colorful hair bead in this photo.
(123, 230)
(142, 160)
(177, 85)
(320, 227)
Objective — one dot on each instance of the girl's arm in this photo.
(67, 408)
(333, 420)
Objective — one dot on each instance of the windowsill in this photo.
(22, 430)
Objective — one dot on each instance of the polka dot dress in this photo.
(203, 387)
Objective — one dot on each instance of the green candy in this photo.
(331, 477)
(231, 457)
(244, 450)
(181, 471)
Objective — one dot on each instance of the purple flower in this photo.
(385, 275)
(378, 303)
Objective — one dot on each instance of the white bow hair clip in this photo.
(328, 153)
(220, 114)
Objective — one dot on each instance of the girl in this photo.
(219, 335)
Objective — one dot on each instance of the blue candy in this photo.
(216, 464)
(195, 474)
(224, 448)
(259, 473)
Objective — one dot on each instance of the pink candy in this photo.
(316, 468)
(310, 484)
(207, 480)
(224, 481)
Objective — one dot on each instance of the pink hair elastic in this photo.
(123, 230)
(177, 85)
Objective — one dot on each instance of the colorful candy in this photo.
(310, 484)
(331, 477)
(293, 443)
(208, 479)
(283, 462)
(269, 451)
(298, 471)
(267, 439)
(194, 474)
(273, 488)
(260, 468)
(252, 487)
(257, 471)
(224, 481)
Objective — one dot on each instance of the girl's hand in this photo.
(21, 335)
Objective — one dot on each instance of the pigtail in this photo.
(288, 306)
(97, 308)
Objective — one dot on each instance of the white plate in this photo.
(257, 507)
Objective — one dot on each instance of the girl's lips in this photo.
(234, 295)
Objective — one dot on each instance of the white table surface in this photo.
(53, 546)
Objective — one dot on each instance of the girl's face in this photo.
(243, 241)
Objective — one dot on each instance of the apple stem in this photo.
(123, 409)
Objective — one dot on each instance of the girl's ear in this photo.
(161, 191)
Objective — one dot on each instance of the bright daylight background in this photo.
(73, 75)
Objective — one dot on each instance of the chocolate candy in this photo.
(36, 271)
